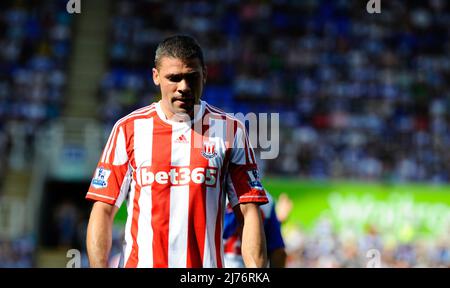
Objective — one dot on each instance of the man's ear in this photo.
(155, 76)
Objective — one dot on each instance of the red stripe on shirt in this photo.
(219, 218)
(197, 210)
(116, 127)
(219, 231)
(162, 150)
(133, 259)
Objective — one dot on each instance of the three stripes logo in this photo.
(182, 139)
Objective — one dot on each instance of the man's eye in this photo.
(175, 78)
(193, 77)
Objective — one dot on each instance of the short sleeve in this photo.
(112, 176)
(243, 182)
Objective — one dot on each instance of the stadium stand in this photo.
(35, 38)
(361, 97)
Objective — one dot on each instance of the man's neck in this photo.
(179, 117)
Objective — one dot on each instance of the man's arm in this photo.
(254, 250)
(99, 234)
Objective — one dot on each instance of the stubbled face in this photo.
(181, 83)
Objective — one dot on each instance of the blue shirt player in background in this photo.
(272, 227)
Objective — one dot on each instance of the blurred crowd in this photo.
(327, 247)
(17, 253)
(35, 39)
(362, 96)
(359, 95)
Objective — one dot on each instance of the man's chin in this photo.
(182, 115)
(186, 109)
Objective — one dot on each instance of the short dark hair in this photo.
(179, 46)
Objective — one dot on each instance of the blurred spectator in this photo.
(17, 253)
(66, 219)
(284, 207)
(35, 38)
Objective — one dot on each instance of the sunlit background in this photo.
(363, 101)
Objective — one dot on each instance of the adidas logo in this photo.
(181, 139)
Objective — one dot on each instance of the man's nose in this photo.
(183, 86)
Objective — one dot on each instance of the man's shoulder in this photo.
(215, 111)
(146, 112)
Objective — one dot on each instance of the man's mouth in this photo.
(189, 100)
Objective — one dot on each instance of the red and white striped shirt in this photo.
(174, 176)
